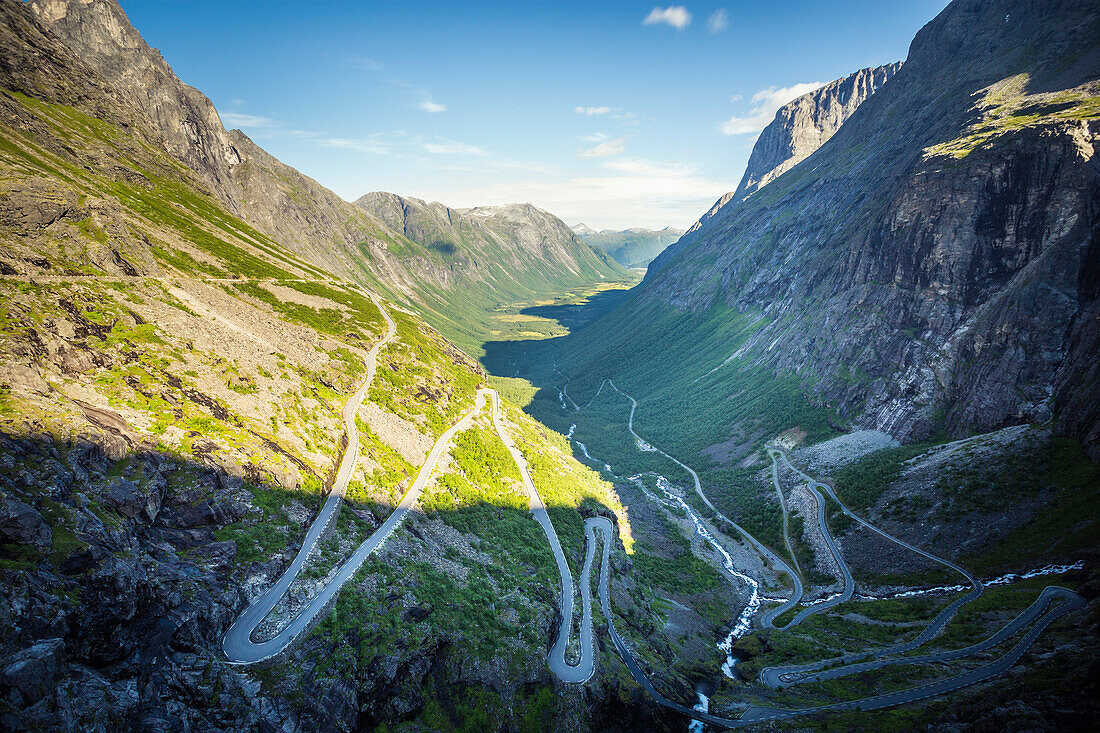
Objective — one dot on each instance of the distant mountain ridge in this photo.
(634, 247)
(296, 210)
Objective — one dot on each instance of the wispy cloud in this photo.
(718, 21)
(591, 111)
(605, 149)
(443, 146)
(766, 102)
(364, 63)
(425, 103)
(645, 167)
(631, 192)
(372, 145)
(238, 119)
(428, 105)
(676, 16)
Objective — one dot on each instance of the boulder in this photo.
(133, 500)
(21, 524)
(32, 672)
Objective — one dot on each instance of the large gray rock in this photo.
(133, 500)
(21, 524)
(934, 263)
(804, 125)
(32, 672)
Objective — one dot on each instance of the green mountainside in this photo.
(908, 314)
(497, 255)
(530, 257)
(170, 422)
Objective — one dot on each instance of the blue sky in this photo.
(616, 114)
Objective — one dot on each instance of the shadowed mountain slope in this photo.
(934, 264)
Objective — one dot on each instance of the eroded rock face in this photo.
(278, 200)
(943, 242)
(100, 33)
(21, 524)
(800, 127)
(32, 672)
(804, 125)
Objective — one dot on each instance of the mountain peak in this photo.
(805, 124)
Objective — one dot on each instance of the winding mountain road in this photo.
(846, 574)
(237, 644)
(586, 666)
(1053, 603)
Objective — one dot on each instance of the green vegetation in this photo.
(860, 483)
(1068, 522)
(487, 475)
(1007, 108)
(684, 573)
(423, 379)
(709, 401)
(358, 319)
(258, 537)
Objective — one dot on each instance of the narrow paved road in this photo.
(586, 666)
(846, 574)
(769, 616)
(786, 518)
(237, 644)
(1052, 604)
(782, 676)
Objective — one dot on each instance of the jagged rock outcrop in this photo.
(101, 35)
(800, 127)
(934, 263)
(804, 125)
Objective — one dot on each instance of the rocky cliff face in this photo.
(933, 264)
(800, 127)
(169, 417)
(804, 125)
(100, 34)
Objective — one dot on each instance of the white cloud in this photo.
(360, 145)
(428, 105)
(238, 119)
(632, 192)
(718, 21)
(605, 149)
(364, 63)
(591, 111)
(736, 98)
(443, 146)
(644, 167)
(766, 102)
(676, 16)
